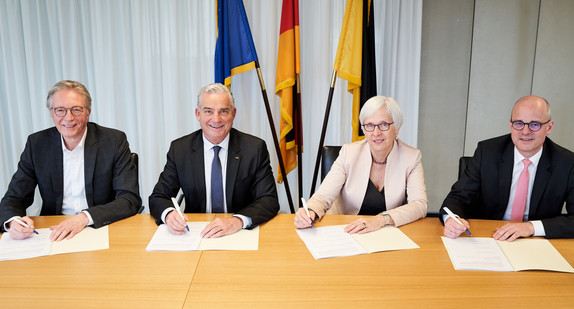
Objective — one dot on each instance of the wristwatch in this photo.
(387, 218)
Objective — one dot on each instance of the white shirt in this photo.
(208, 153)
(74, 200)
(516, 171)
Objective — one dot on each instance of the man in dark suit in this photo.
(219, 169)
(80, 168)
(490, 187)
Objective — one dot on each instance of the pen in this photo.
(176, 206)
(452, 215)
(24, 224)
(306, 210)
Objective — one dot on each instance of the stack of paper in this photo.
(39, 245)
(479, 253)
(163, 239)
(333, 241)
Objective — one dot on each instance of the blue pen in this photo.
(452, 215)
(176, 206)
(306, 210)
(24, 224)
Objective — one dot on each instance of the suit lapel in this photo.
(543, 173)
(233, 160)
(393, 159)
(90, 156)
(197, 162)
(505, 178)
(57, 170)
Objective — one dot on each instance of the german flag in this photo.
(288, 69)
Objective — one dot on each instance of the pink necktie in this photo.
(521, 193)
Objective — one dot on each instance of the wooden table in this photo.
(281, 274)
(124, 276)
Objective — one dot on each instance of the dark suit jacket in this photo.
(111, 178)
(250, 187)
(483, 190)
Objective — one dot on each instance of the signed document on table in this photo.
(483, 253)
(164, 240)
(333, 241)
(39, 245)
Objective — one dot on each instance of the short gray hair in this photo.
(375, 103)
(215, 88)
(72, 85)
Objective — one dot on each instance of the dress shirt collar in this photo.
(81, 144)
(534, 159)
(207, 145)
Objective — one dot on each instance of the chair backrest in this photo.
(462, 163)
(180, 199)
(135, 160)
(328, 157)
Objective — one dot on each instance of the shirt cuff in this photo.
(165, 212)
(444, 217)
(538, 228)
(90, 220)
(8, 221)
(246, 220)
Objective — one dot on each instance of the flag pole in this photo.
(299, 140)
(323, 131)
(274, 133)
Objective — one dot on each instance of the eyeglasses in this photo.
(75, 110)
(534, 126)
(369, 127)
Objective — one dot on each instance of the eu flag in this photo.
(234, 51)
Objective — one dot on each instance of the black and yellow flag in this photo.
(355, 60)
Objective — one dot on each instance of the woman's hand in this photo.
(303, 221)
(365, 225)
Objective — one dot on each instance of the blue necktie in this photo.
(216, 183)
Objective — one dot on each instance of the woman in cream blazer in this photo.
(365, 168)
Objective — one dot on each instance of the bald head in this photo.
(529, 137)
(533, 101)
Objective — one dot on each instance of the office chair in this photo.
(462, 163)
(135, 160)
(328, 157)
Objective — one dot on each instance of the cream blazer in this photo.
(345, 185)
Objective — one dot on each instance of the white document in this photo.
(33, 246)
(39, 245)
(484, 253)
(333, 241)
(476, 253)
(164, 240)
(330, 241)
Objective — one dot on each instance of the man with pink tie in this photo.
(522, 177)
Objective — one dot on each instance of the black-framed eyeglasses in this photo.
(62, 111)
(370, 127)
(534, 126)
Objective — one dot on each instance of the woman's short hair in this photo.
(373, 104)
(218, 89)
(72, 85)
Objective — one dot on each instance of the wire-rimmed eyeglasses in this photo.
(62, 111)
